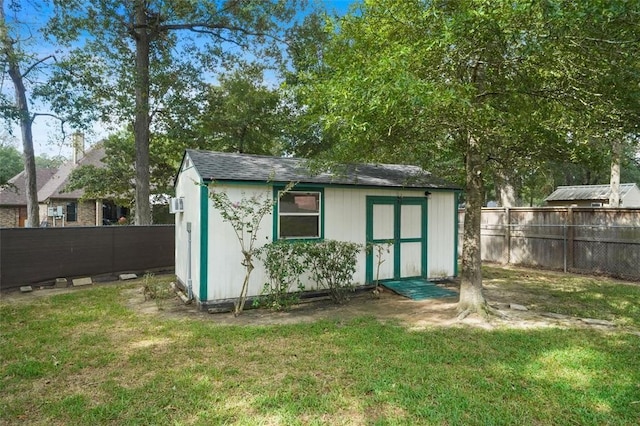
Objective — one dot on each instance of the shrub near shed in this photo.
(331, 265)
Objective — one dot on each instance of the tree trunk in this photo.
(471, 297)
(142, 119)
(616, 153)
(22, 107)
(505, 190)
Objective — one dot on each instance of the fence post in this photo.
(570, 236)
(507, 214)
(564, 249)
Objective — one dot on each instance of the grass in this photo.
(576, 295)
(86, 358)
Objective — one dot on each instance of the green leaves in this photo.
(10, 163)
(330, 264)
(518, 77)
(241, 114)
(285, 263)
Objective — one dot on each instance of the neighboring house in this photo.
(402, 205)
(57, 207)
(593, 196)
(13, 198)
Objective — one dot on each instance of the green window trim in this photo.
(276, 212)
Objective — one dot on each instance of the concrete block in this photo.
(555, 316)
(61, 282)
(517, 307)
(82, 281)
(220, 310)
(26, 289)
(124, 277)
(593, 321)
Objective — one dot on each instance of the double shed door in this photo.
(396, 238)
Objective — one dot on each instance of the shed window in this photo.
(299, 214)
(72, 212)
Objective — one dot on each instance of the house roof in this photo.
(15, 194)
(587, 192)
(219, 166)
(54, 188)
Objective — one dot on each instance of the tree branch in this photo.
(35, 64)
(202, 27)
(602, 40)
(47, 114)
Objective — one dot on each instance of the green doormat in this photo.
(418, 289)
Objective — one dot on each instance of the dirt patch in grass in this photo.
(503, 287)
(390, 307)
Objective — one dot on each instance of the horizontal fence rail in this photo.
(34, 255)
(584, 240)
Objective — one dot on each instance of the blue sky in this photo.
(46, 130)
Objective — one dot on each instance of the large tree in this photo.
(491, 82)
(242, 114)
(19, 65)
(140, 60)
(239, 114)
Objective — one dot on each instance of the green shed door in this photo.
(396, 237)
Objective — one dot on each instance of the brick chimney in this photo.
(77, 140)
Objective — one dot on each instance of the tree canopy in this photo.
(142, 63)
(10, 163)
(495, 86)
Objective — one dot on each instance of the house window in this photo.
(72, 212)
(299, 214)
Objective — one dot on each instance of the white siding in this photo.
(226, 273)
(632, 198)
(410, 221)
(383, 270)
(384, 222)
(188, 186)
(344, 220)
(440, 234)
(411, 259)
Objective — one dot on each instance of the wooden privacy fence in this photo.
(34, 255)
(576, 239)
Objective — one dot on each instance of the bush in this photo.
(332, 265)
(155, 289)
(284, 262)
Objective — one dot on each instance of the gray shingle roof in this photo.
(55, 187)
(587, 192)
(16, 193)
(221, 166)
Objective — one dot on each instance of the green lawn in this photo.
(86, 358)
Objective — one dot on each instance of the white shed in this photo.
(404, 206)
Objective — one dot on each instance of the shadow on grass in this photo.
(94, 362)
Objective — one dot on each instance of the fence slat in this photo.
(588, 240)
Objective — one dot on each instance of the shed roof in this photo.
(219, 166)
(15, 194)
(587, 192)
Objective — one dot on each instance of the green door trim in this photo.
(397, 203)
(204, 241)
(456, 230)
